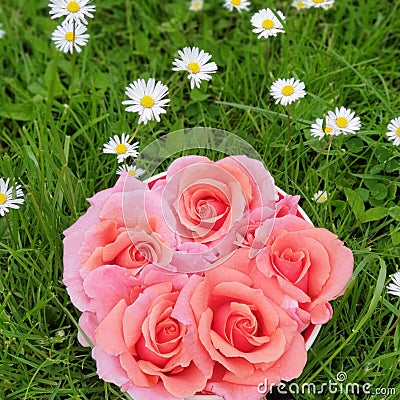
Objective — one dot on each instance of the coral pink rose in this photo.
(311, 265)
(139, 341)
(203, 199)
(116, 229)
(247, 334)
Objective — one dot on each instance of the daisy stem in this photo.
(10, 230)
(288, 124)
(328, 143)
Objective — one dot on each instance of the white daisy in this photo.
(320, 197)
(195, 62)
(72, 10)
(2, 32)
(131, 170)
(286, 91)
(10, 197)
(121, 147)
(147, 99)
(344, 121)
(393, 132)
(318, 130)
(70, 36)
(237, 4)
(196, 5)
(394, 287)
(325, 4)
(299, 4)
(266, 23)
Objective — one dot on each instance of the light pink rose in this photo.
(120, 227)
(140, 341)
(311, 265)
(248, 336)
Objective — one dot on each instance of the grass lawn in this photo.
(57, 111)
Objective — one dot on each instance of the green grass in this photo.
(56, 112)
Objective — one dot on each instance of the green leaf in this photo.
(375, 214)
(197, 95)
(19, 112)
(394, 212)
(355, 202)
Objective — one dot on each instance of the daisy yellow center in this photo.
(268, 23)
(197, 4)
(300, 4)
(288, 90)
(3, 198)
(70, 36)
(342, 122)
(120, 148)
(147, 101)
(73, 7)
(398, 131)
(194, 67)
(236, 2)
(328, 129)
(322, 199)
(318, 1)
(131, 172)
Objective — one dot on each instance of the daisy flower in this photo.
(131, 170)
(299, 4)
(121, 147)
(196, 5)
(393, 132)
(147, 99)
(237, 4)
(195, 62)
(70, 36)
(266, 23)
(325, 4)
(10, 196)
(286, 91)
(2, 32)
(72, 10)
(320, 197)
(344, 121)
(394, 287)
(318, 130)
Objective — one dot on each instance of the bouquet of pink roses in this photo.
(202, 280)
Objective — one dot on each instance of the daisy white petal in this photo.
(10, 196)
(131, 170)
(286, 91)
(344, 121)
(121, 147)
(238, 5)
(299, 4)
(70, 36)
(394, 286)
(147, 99)
(320, 197)
(72, 10)
(318, 130)
(195, 61)
(393, 131)
(2, 32)
(266, 23)
(196, 5)
(325, 4)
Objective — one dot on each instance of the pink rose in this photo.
(311, 265)
(288, 204)
(248, 336)
(118, 228)
(140, 341)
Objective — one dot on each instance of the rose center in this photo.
(236, 2)
(288, 90)
(398, 131)
(3, 198)
(70, 36)
(268, 23)
(120, 148)
(73, 7)
(194, 67)
(342, 122)
(147, 101)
